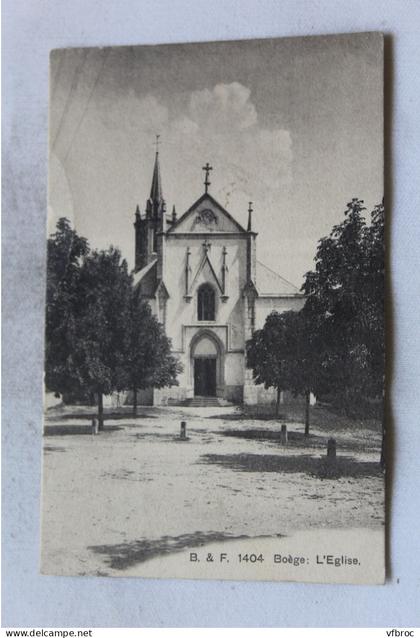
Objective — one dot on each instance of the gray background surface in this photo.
(31, 29)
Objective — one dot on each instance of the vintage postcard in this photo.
(214, 368)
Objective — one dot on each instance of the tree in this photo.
(375, 243)
(305, 375)
(335, 344)
(148, 361)
(103, 311)
(88, 296)
(283, 355)
(345, 304)
(375, 293)
(345, 297)
(100, 336)
(65, 253)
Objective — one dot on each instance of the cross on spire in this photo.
(157, 142)
(207, 168)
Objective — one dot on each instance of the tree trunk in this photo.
(100, 411)
(134, 401)
(278, 401)
(307, 404)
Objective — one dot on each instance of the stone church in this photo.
(200, 274)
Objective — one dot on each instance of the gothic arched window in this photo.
(205, 303)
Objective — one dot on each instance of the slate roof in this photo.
(147, 277)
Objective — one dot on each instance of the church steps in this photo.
(203, 402)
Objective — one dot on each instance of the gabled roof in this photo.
(212, 201)
(203, 262)
(271, 284)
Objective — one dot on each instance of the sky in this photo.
(294, 125)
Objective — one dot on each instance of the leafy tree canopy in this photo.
(65, 252)
(100, 336)
(345, 304)
(148, 359)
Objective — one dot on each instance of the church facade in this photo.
(201, 275)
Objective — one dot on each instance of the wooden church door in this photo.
(205, 377)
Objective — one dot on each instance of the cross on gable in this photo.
(207, 168)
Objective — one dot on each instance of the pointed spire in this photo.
(249, 228)
(156, 190)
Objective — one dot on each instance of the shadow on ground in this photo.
(155, 436)
(124, 555)
(243, 416)
(296, 438)
(344, 466)
(321, 416)
(87, 416)
(53, 448)
(64, 430)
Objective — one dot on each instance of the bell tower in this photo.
(148, 227)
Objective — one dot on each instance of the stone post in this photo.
(183, 434)
(331, 450)
(95, 428)
(283, 435)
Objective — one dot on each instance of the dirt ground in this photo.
(114, 501)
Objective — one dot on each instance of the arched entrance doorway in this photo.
(206, 365)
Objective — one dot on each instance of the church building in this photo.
(201, 276)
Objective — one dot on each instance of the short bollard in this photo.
(183, 434)
(283, 435)
(95, 426)
(331, 450)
